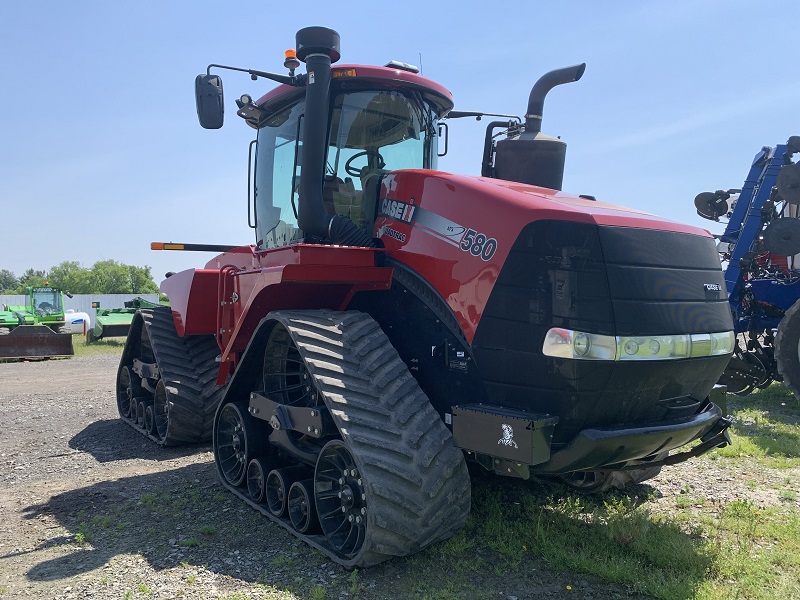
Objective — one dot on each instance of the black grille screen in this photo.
(605, 280)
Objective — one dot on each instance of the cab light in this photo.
(579, 345)
(343, 73)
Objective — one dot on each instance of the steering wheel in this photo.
(351, 170)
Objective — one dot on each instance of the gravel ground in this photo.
(91, 509)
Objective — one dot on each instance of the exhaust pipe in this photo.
(533, 157)
(318, 47)
(533, 117)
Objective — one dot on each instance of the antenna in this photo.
(420, 63)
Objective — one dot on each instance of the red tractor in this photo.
(393, 322)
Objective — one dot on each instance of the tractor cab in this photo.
(46, 301)
(325, 138)
(372, 131)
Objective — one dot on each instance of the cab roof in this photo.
(388, 77)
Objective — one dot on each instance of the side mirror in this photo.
(210, 103)
(442, 138)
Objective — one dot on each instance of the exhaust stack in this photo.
(318, 47)
(533, 157)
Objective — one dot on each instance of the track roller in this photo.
(160, 411)
(277, 488)
(148, 419)
(141, 406)
(255, 479)
(302, 512)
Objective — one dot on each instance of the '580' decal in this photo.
(478, 244)
(442, 228)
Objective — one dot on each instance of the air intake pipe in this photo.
(533, 157)
(318, 47)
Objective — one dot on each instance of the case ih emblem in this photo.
(508, 436)
(398, 210)
(712, 287)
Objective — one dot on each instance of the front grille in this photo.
(604, 280)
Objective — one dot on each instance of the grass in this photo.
(767, 429)
(104, 346)
(696, 548)
(741, 551)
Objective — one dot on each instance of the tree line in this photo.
(103, 277)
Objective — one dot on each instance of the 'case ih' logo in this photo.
(398, 210)
(712, 287)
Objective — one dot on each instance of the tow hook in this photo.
(719, 432)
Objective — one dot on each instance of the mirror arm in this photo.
(294, 80)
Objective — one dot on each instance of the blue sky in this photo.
(101, 153)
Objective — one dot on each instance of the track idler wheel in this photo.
(302, 512)
(129, 389)
(341, 498)
(238, 439)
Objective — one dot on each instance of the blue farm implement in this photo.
(760, 249)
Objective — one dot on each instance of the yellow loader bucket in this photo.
(35, 341)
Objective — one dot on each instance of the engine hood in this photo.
(456, 231)
(572, 207)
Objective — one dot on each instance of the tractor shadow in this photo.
(170, 518)
(112, 440)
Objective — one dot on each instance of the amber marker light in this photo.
(343, 73)
(290, 60)
(166, 246)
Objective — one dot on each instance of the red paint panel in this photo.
(299, 286)
(246, 285)
(193, 298)
(457, 231)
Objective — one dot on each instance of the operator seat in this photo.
(343, 199)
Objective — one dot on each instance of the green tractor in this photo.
(37, 329)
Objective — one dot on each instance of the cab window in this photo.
(277, 174)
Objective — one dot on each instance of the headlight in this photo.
(566, 343)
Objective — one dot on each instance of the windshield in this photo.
(373, 132)
(47, 301)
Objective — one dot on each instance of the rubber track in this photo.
(189, 370)
(417, 481)
(787, 355)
